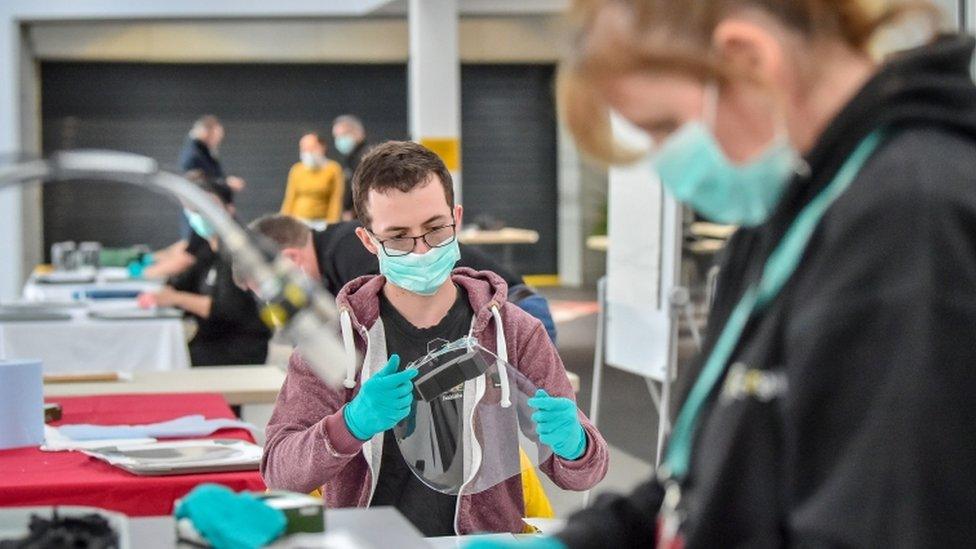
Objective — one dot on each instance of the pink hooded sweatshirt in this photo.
(309, 445)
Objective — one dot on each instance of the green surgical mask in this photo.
(199, 225)
(422, 274)
(694, 168)
(345, 144)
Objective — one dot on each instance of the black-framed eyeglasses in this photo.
(404, 245)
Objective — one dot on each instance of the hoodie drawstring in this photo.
(345, 323)
(502, 349)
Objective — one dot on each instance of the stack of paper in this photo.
(182, 457)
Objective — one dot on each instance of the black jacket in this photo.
(233, 333)
(195, 155)
(349, 165)
(871, 443)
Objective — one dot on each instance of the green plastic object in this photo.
(119, 257)
(230, 520)
(305, 514)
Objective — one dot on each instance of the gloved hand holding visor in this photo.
(558, 424)
(469, 420)
(383, 401)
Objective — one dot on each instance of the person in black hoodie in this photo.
(833, 405)
(229, 330)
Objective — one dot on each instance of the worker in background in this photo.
(315, 185)
(229, 331)
(349, 135)
(833, 406)
(201, 151)
(199, 155)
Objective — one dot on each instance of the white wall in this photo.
(11, 214)
(950, 11)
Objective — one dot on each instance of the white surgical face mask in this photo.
(310, 159)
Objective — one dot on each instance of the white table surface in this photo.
(159, 532)
(508, 235)
(84, 344)
(107, 279)
(240, 385)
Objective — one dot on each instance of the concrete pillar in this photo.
(434, 75)
(11, 225)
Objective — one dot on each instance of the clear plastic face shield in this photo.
(470, 427)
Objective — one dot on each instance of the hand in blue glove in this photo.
(228, 520)
(384, 400)
(558, 425)
(522, 543)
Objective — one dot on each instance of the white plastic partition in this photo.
(639, 297)
(643, 262)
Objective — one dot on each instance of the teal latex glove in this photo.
(558, 425)
(135, 269)
(228, 520)
(384, 400)
(521, 543)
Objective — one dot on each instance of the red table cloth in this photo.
(29, 476)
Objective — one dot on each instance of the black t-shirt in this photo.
(196, 244)
(342, 257)
(233, 333)
(430, 511)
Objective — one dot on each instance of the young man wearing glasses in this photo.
(332, 438)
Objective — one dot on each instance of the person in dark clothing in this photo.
(200, 148)
(199, 153)
(833, 403)
(350, 140)
(336, 256)
(229, 331)
(181, 255)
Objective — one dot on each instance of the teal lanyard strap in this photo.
(780, 266)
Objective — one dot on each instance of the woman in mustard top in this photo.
(315, 184)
